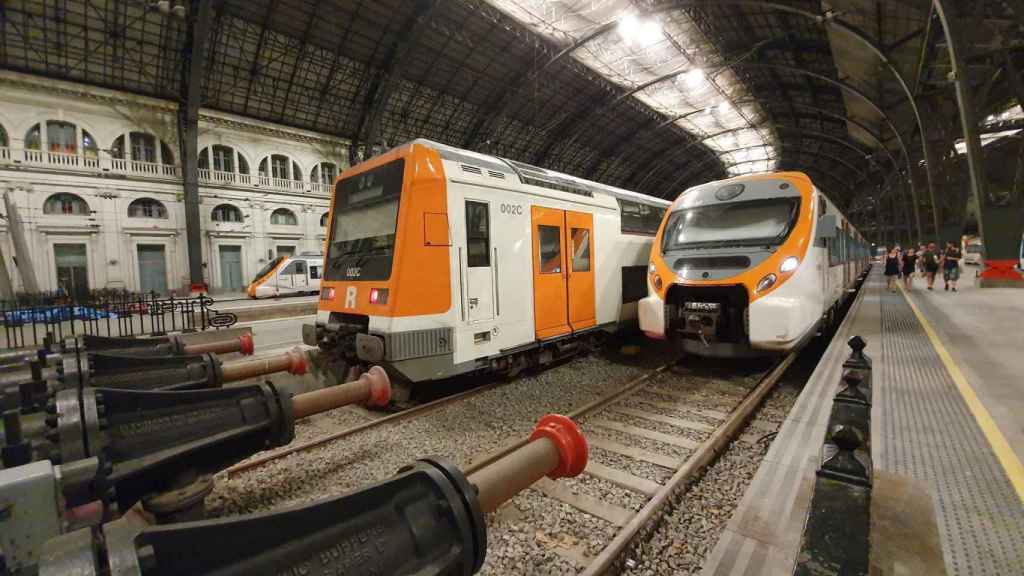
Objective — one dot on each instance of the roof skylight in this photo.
(694, 86)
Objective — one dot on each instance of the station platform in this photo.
(946, 440)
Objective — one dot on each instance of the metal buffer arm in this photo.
(428, 519)
(837, 536)
(135, 363)
(118, 448)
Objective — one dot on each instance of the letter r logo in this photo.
(350, 297)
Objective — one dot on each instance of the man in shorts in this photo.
(930, 261)
(951, 265)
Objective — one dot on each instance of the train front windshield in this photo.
(362, 241)
(267, 268)
(747, 223)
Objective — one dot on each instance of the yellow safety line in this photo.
(1007, 457)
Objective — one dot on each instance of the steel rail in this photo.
(694, 465)
(475, 464)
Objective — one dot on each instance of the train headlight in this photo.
(657, 282)
(789, 264)
(379, 296)
(767, 282)
(651, 269)
(327, 294)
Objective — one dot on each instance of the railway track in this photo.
(649, 437)
(648, 440)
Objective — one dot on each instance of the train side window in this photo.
(314, 272)
(300, 267)
(550, 249)
(637, 218)
(580, 250)
(478, 235)
(822, 206)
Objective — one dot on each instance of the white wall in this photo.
(108, 187)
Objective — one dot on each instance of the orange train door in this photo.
(550, 305)
(579, 229)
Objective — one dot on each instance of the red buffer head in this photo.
(298, 362)
(246, 345)
(567, 437)
(380, 386)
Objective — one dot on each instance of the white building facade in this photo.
(96, 178)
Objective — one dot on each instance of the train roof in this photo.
(536, 176)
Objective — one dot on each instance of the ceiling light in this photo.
(642, 32)
(694, 78)
(723, 107)
(628, 26)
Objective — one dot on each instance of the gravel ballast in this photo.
(458, 431)
(687, 534)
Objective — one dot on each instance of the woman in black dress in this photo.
(892, 268)
(909, 265)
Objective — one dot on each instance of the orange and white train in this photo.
(750, 265)
(441, 261)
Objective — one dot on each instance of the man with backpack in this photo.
(930, 261)
(951, 266)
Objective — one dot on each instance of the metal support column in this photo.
(193, 71)
(999, 217)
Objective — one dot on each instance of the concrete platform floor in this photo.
(983, 330)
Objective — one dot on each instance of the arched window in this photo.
(323, 219)
(226, 213)
(61, 137)
(222, 159)
(324, 173)
(284, 217)
(3, 138)
(143, 147)
(147, 208)
(66, 204)
(276, 166)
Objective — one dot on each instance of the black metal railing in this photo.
(28, 319)
(837, 535)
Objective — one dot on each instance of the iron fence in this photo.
(29, 318)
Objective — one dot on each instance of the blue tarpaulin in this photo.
(55, 314)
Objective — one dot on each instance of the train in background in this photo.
(442, 261)
(750, 265)
(973, 250)
(288, 275)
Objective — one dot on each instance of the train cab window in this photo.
(478, 235)
(580, 250)
(314, 272)
(296, 267)
(550, 249)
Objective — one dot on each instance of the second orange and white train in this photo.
(750, 265)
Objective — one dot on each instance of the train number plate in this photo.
(703, 306)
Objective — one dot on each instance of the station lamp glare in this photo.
(789, 264)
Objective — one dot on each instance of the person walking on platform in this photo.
(892, 268)
(909, 265)
(930, 258)
(920, 261)
(951, 266)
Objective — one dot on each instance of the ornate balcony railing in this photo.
(103, 163)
